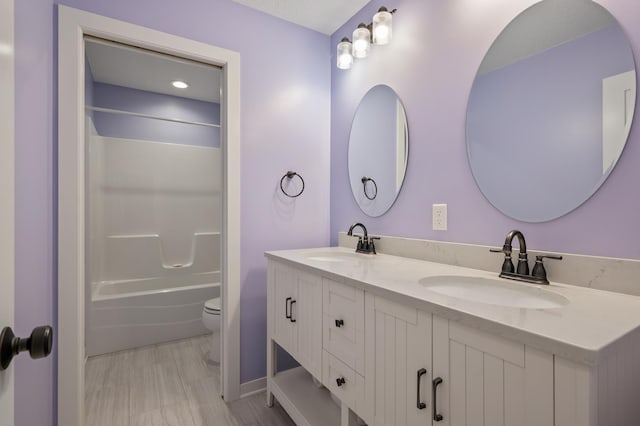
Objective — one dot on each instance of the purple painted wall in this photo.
(158, 105)
(431, 64)
(281, 130)
(285, 119)
(35, 256)
(562, 89)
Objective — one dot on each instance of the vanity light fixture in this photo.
(345, 59)
(377, 32)
(361, 41)
(382, 26)
(179, 84)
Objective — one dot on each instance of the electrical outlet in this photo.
(439, 217)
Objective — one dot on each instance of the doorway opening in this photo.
(148, 225)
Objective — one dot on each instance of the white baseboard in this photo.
(253, 387)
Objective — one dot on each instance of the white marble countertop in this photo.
(583, 330)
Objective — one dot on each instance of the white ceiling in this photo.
(126, 66)
(144, 70)
(325, 16)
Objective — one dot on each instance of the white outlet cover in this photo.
(439, 215)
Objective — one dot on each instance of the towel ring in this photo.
(364, 187)
(290, 175)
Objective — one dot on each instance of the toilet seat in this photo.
(212, 306)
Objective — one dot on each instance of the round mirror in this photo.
(550, 109)
(378, 150)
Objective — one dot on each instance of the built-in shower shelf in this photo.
(306, 403)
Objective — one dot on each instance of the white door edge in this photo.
(7, 195)
(73, 25)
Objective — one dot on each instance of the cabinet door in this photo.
(282, 291)
(397, 364)
(488, 380)
(307, 313)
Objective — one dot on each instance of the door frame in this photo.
(73, 25)
(7, 193)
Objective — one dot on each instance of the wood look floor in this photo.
(168, 384)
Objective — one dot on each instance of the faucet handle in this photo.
(547, 256)
(538, 269)
(506, 249)
(372, 246)
(507, 265)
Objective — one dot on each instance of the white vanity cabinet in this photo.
(394, 361)
(295, 310)
(343, 359)
(398, 364)
(487, 380)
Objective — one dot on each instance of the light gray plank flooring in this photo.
(168, 384)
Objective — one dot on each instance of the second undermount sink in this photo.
(494, 292)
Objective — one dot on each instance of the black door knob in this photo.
(39, 344)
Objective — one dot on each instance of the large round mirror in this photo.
(378, 150)
(550, 109)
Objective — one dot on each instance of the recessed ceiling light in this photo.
(179, 84)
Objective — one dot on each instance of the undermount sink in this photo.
(494, 292)
(336, 256)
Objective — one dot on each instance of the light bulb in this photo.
(345, 60)
(382, 22)
(381, 33)
(361, 41)
(360, 45)
(179, 84)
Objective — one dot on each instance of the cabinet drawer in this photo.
(351, 387)
(343, 323)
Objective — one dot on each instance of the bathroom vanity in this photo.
(401, 341)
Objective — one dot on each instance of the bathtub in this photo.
(127, 314)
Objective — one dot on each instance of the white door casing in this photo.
(7, 203)
(618, 106)
(73, 26)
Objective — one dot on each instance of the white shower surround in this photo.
(150, 188)
(154, 241)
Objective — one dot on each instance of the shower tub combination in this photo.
(135, 310)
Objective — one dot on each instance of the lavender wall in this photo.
(285, 119)
(281, 130)
(431, 64)
(35, 256)
(158, 105)
(547, 111)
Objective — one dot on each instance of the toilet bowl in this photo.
(211, 320)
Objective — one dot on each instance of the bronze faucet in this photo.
(539, 275)
(365, 243)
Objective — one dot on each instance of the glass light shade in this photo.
(345, 60)
(382, 24)
(361, 41)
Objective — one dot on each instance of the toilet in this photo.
(211, 320)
